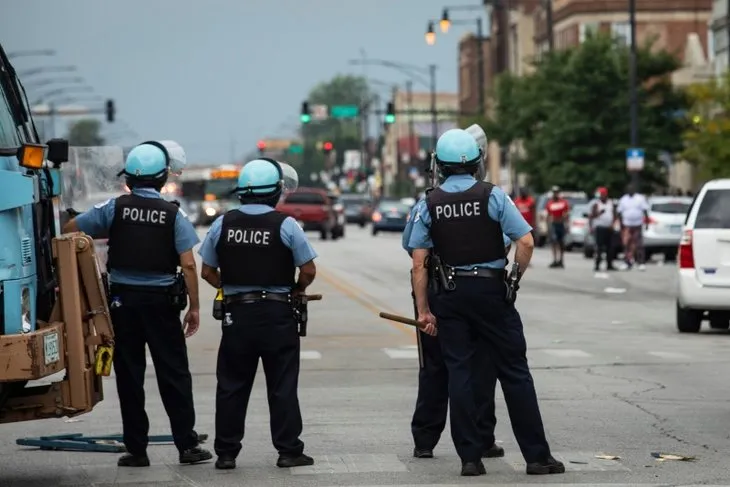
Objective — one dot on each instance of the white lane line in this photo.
(309, 355)
(567, 353)
(401, 353)
(670, 355)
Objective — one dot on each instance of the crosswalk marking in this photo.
(402, 353)
(310, 355)
(670, 355)
(567, 353)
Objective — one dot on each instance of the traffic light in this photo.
(390, 113)
(261, 145)
(327, 147)
(110, 111)
(305, 116)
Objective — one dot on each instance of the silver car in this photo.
(664, 229)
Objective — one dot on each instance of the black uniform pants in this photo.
(429, 418)
(604, 243)
(265, 330)
(477, 306)
(149, 319)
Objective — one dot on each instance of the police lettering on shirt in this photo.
(459, 210)
(248, 236)
(144, 215)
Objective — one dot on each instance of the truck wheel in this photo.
(688, 320)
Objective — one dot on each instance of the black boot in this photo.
(422, 453)
(473, 469)
(298, 461)
(493, 451)
(130, 460)
(225, 463)
(544, 468)
(195, 455)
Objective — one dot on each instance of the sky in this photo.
(219, 75)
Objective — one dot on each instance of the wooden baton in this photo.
(401, 319)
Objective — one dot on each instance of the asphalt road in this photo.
(613, 376)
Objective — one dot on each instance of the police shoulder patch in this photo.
(103, 203)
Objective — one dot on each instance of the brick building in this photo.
(669, 21)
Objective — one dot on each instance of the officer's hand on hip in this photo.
(191, 323)
(428, 323)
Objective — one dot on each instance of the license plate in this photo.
(675, 228)
(50, 348)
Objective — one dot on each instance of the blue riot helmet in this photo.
(458, 152)
(263, 180)
(147, 165)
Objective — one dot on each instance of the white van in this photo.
(703, 260)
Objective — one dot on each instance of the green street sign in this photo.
(296, 149)
(344, 111)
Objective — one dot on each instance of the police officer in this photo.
(252, 253)
(429, 417)
(462, 221)
(149, 238)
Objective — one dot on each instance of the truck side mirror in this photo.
(57, 151)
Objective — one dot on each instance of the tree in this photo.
(708, 132)
(344, 134)
(85, 133)
(572, 115)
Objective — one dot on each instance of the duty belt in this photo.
(114, 287)
(257, 296)
(477, 272)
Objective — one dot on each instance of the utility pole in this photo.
(549, 24)
(434, 113)
(480, 67)
(411, 128)
(727, 33)
(634, 103)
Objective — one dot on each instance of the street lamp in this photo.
(51, 81)
(66, 89)
(445, 23)
(412, 72)
(46, 69)
(430, 35)
(36, 52)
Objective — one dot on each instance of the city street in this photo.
(613, 376)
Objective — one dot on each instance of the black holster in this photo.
(179, 292)
(441, 278)
(301, 314)
(219, 309)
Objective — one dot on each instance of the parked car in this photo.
(577, 227)
(390, 216)
(312, 209)
(541, 226)
(339, 229)
(664, 230)
(703, 270)
(358, 208)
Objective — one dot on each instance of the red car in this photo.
(312, 209)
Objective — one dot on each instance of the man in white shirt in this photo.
(602, 218)
(633, 211)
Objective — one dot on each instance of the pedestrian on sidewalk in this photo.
(558, 210)
(633, 213)
(601, 221)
